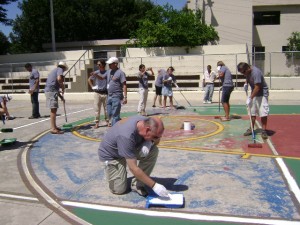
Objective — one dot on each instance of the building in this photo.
(264, 25)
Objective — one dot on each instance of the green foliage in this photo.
(79, 20)
(164, 26)
(293, 45)
(4, 44)
(3, 15)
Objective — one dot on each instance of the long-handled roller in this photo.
(254, 144)
(182, 94)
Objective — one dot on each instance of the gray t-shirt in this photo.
(143, 80)
(159, 80)
(169, 82)
(115, 80)
(256, 77)
(34, 75)
(101, 83)
(52, 83)
(227, 79)
(122, 140)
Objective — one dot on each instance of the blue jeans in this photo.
(209, 91)
(113, 109)
(35, 104)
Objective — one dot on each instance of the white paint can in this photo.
(187, 125)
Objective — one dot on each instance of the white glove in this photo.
(249, 100)
(218, 68)
(160, 190)
(170, 78)
(145, 148)
(95, 87)
(245, 87)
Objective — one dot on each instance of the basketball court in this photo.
(223, 180)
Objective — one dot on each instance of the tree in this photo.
(293, 44)
(4, 44)
(164, 26)
(3, 15)
(293, 58)
(78, 20)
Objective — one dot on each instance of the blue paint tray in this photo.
(175, 201)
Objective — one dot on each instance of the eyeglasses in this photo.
(98, 64)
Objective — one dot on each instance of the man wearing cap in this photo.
(127, 144)
(55, 88)
(117, 90)
(34, 87)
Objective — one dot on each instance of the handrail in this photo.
(68, 72)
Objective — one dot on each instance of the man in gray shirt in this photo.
(55, 88)
(227, 87)
(98, 83)
(34, 88)
(123, 145)
(257, 102)
(117, 90)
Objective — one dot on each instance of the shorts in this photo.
(167, 91)
(158, 90)
(226, 92)
(51, 100)
(259, 106)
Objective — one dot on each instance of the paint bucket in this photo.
(187, 125)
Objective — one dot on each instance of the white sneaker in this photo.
(204, 102)
(208, 102)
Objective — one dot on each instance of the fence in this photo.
(281, 69)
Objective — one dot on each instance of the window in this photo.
(258, 52)
(267, 18)
(285, 48)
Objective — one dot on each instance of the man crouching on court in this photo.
(128, 142)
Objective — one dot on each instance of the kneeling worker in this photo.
(122, 146)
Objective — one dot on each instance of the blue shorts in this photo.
(167, 91)
(226, 92)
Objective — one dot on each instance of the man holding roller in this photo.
(257, 102)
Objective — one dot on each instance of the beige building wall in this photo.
(232, 19)
(273, 37)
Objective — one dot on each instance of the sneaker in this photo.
(153, 106)
(204, 102)
(248, 132)
(208, 102)
(139, 189)
(264, 135)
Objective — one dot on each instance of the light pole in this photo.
(52, 27)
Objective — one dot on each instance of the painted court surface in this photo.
(222, 180)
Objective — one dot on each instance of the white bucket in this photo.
(187, 125)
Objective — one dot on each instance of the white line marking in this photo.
(180, 215)
(290, 179)
(27, 125)
(18, 197)
(37, 188)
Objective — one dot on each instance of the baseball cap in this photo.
(8, 97)
(61, 63)
(112, 60)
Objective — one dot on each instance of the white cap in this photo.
(61, 63)
(112, 60)
(8, 97)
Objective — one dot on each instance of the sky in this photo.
(13, 10)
